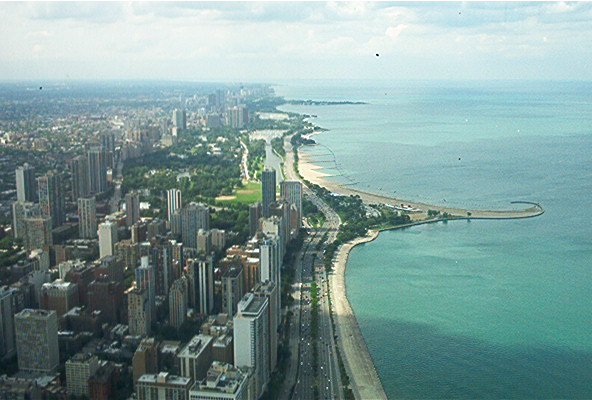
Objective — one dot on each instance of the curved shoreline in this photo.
(359, 365)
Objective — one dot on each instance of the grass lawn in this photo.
(247, 194)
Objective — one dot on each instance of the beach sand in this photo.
(364, 379)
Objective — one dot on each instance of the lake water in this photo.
(479, 309)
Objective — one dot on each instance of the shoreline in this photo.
(359, 365)
(311, 172)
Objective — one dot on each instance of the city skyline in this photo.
(275, 41)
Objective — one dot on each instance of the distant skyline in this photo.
(274, 41)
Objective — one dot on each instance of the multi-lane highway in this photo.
(301, 377)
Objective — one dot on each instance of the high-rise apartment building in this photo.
(51, 198)
(59, 296)
(37, 340)
(163, 386)
(173, 202)
(106, 296)
(291, 191)
(145, 360)
(25, 184)
(232, 289)
(139, 311)
(80, 177)
(193, 218)
(270, 291)
(195, 358)
(146, 280)
(180, 119)
(97, 169)
(79, 368)
(201, 284)
(178, 301)
(20, 212)
(7, 311)
(107, 238)
(270, 256)
(251, 338)
(255, 213)
(132, 208)
(267, 190)
(87, 217)
(38, 232)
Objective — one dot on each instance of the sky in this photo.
(273, 41)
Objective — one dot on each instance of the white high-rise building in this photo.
(87, 218)
(173, 202)
(270, 291)
(251, 338)
(107, 238)
(25, 184)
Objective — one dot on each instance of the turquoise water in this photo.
(480, 309)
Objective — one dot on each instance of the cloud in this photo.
(308, 39)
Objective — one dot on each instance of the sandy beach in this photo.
(312, 173)
(364, 379)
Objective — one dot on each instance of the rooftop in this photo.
(164, 378)
(195, 346)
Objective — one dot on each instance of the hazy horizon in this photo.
(275, 41)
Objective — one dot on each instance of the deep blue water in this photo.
(480, 309)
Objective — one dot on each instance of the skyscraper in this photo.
(193, 218)
(97, 169)
(201, 284)
(87, 218)
(51, 198)
(146, 280)
(37, 340)
(25, 183)
(232, 289)
(291, 191)
(267, 189)
(173, 202)
(251, 338)
(107, 238)
(178, 300)
(7, 339)
(80, 177)
(270, 291)
(269, 254)
(20, 212)
(255, 213)
(139, 312)
(38, 232)
(180, 119)
(132, 208)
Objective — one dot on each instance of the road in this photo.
(300, 377)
